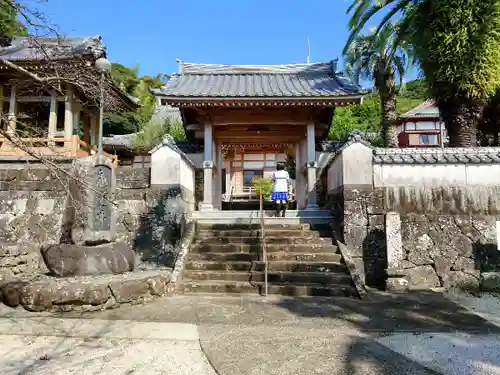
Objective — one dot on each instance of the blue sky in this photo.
(153, 33)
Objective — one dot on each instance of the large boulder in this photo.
(72, 260)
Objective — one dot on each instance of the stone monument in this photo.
(90, 225)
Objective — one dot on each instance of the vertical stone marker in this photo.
(395, 274)
(94, 217)
(394, 240)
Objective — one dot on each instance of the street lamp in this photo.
(103, 65)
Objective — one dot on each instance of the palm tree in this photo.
(378, 57)
(457, 44)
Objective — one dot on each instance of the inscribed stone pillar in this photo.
(208, 165)
(11, 126)
(311, 168)
(52, 118)
(68, 118)
(91, 202)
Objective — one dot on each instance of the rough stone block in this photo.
(490, 281)
(129, 291)
(72, 260)
(36, 297)
(422, 277)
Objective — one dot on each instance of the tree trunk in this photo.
(461, 119)
(389, 116)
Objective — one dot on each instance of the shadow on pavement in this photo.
(384, 314)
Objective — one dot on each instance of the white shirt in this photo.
(280, 179)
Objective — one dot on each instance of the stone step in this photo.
(274, 221)
(269, 232)
(254, 214)
(286, 289)
(256, 226)
(203, 247)
(271, 256)
(292, 266)
(322, 278)
(270, 240)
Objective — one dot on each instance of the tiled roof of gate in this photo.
(319, 80)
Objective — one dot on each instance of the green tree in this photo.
(9, 24)
(457, 45)
(383, 59)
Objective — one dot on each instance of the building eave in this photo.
(262, 101)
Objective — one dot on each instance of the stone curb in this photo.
(99, 328)
(353, 272)
(185, 246)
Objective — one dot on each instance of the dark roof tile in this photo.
(226, 81)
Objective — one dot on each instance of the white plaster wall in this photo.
(335, 174)
(165, 166)
(186, 175)
(353, 166)
(391, 175)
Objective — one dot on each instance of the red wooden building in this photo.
(422, 127)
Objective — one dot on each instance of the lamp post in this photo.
(103, 65)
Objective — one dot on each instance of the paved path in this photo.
(257, 336)
(47, 346)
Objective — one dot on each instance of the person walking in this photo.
(281, 179)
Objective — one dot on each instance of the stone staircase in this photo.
(302, 261)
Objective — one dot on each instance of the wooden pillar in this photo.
(1, 107)
(68, 118)
(76, 118)
(11, 126)
(93, 130)
(208, 165)
(311, 168)
(52, 118)
(86, 128)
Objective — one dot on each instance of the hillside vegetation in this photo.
(366, 117)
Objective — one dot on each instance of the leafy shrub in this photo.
(264, 185)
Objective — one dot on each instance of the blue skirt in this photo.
(279, 196)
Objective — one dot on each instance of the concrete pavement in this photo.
(274, 335)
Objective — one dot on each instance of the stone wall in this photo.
(33, 211)
(427, 232)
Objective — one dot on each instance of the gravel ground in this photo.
(49, 355)
(455, 353)
(485, 305)
(449, 353)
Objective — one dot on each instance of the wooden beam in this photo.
(12, 110)
(35, 99)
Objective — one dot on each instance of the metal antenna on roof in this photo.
(308, 50)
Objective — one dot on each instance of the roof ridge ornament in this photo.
(181, 65)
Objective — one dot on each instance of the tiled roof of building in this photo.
(318, 80)
(481, 155)
(31, 48)
(166, 112)
(425, 109)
